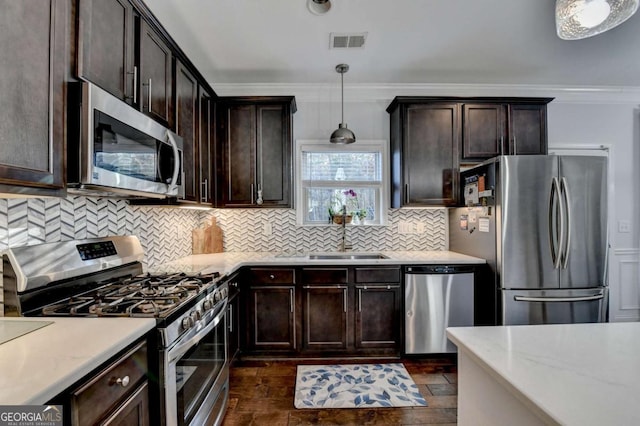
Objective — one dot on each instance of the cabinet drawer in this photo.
(102, 393)
(325, 275)
(271, 276)
(377, 275)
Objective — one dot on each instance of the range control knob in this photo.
(186, 323)
(217, 296)
(207, 305)
(196, 316)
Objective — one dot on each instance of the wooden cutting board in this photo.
(213, 238)
(208, 239)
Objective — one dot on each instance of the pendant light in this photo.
(342, 135)
(578, 19)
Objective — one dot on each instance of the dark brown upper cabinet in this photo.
(425, 143)
(106, 47)
(432, 136)
(186, 124)
(255, 152)
(206, 149)
(504, 127)
(154, 65)
(33, 75)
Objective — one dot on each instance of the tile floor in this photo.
(261, 393)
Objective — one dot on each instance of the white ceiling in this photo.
(409, 42)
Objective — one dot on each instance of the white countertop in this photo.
(37, 366)
(228, 262)
(574, 374)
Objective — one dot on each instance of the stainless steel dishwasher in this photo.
(436, 297)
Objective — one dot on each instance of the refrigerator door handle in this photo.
(564, 191)
(558, 299)
(554, 240)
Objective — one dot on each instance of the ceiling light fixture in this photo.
(342, 135)
(319, 7)
(577, 19)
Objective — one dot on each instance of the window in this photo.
(332, 177)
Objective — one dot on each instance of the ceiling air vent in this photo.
(347, 40)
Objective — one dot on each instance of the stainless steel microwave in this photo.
(113, 149)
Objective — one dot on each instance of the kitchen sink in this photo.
(347, 256)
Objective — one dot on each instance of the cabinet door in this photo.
(377, 316)
(431, 154)
(325, 317)
(186, 124)
(273, 152)
(207, 131)
(233, 325)
(134, 411)
(239, 152)
(106, 46)
(271, 318)
(32, 76)
(528, 129)
(483, 131)
(154, 61)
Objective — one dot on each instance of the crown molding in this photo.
(363, 92)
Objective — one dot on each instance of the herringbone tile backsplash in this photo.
(166, 233)
(243, 231)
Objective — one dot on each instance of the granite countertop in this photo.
(227, 263)
(581, 374)
(40, 364)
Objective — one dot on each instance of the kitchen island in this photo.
(36, 366)
(569, 374)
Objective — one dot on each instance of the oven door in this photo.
(197, 374)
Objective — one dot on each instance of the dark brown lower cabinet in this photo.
(325, 317)
(377, 316)
(271, 318)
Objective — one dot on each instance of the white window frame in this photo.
(372, 145)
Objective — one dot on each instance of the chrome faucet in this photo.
(344, 246)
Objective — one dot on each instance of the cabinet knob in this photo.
(122, 381)
(272, 276)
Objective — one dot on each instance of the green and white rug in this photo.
(356, 386)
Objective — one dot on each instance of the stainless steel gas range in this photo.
(104, 277)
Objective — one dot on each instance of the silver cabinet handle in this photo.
(122, 381)
(230, 318)
(251, 193)
(205, 190)
(360, 299)
(259, 200)
(344, 298)
(501, 145)
(135, 84)
(149, 95)
(515, 145)
(558, 299)
(291, 299)
(406, 193)
(564, 190)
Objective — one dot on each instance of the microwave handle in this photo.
(176, 159)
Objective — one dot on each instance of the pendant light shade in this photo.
(577, 19)
(319, 7)
(342, 135)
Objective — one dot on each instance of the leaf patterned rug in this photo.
(356, 386)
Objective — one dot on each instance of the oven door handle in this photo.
(183, 345)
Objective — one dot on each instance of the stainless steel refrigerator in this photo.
(541, 223)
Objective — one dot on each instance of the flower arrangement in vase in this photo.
(346, 204)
